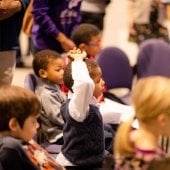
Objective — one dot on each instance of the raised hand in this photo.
(77, 54)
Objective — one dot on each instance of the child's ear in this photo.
(42, 73)
(82, 47)
(13, 124)
(162, 119)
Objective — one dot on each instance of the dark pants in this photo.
(93, 18)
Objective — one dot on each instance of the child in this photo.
(135, 148)
(83, 130)
(19, 110)
(49, 67)
(87, 37)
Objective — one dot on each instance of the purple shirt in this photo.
(52, 17)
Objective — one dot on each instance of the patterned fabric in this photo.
(141, 32)
(140, 160)
(40, 157)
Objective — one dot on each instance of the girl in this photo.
(135, 148)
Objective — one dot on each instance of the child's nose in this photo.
(37, 125)
(103, 82)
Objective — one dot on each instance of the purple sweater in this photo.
(52, 17)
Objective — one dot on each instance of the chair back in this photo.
(153, 58)
(116, 69)
(30, 81)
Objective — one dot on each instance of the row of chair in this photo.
(153, 59)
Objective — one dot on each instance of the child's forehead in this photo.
(96, 37)
(97, 72)
(55, 61)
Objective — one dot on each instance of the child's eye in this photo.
(59, 69)
(34, 121)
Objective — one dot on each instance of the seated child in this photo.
(49, 67)
(83, 130)
(88, 37)
(19, 110)
(135, 148)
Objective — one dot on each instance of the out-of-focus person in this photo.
(11, 15)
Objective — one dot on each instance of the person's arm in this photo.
(83, 88)
(40, 12)
(66, 43)
(51, 104)
(9, 7)
(41, 9)
(114, 112)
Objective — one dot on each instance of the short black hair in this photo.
(42, 58)
(83, 33)
(68, 80)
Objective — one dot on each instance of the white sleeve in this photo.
(83, 88)
(114, 113)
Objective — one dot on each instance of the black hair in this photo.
(42, 59)
(83, 33)
(68, 80)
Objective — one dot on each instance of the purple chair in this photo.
(116, 69)
(30, 81)
(153, 59)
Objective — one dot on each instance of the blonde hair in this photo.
(150, 98)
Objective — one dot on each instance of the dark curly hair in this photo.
(68, 80)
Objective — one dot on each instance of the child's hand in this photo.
(77, 54)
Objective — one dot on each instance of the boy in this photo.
(87, 37)
(49, 67)
(19, 110)
(83, 130)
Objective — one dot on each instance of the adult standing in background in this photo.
(11, 15)
(148, 21)
(54, 22)
(93, 12)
